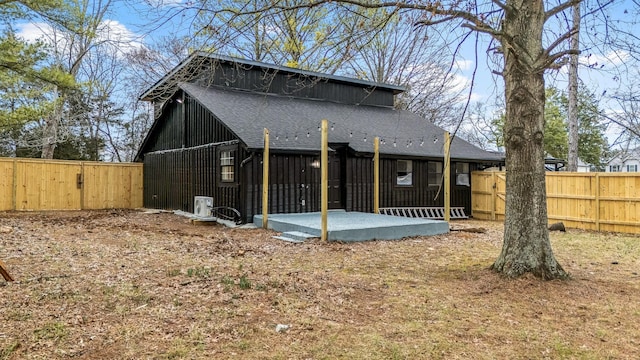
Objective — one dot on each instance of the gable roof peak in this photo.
(169, 83)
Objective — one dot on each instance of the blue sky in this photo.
(137, 23)
(143, 22)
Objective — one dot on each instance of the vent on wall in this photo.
(202, 206)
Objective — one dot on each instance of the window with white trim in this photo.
(632, 168)
(462, 174)
(404, 173)
(614, 168)
(227, 166)
(434, 176)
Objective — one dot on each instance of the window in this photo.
(614, 168)
(462, 174)
(405, 173)
(632, 168)
(434, 173)
(227, 166)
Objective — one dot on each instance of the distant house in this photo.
(583, 166)
(207, 140)
(628, 161)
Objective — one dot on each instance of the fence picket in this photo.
(38, 184)
(592, 201)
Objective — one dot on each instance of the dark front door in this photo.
(337, 190)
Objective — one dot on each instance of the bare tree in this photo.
(483, 128)
(312, 38)
(142, 66)
(72, 38)
(417, 58)
(103, 114)
(627, 117)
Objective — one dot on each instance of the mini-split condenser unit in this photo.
(202, 206)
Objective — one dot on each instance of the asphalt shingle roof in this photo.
(293, 124)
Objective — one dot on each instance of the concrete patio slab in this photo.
(355, 226)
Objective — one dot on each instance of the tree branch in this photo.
(619, 123)
(549, 62)
(486, 30)
(500, 4)
(434, 22)
(435, 8)
(560, 40)
(560, 8)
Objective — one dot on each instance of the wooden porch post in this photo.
(265, 180)
(324, 180)
(447, 177)
(376, 175)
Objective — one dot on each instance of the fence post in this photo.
(597, 201)
(81, 186)
(14, 190)
(494, 195)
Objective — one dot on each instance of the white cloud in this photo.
(31, 32)
(463, 64)
(456, 85)
(461, 86)
(613, 58)
(111, 33)
(122, 39)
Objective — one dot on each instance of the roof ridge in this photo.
(300, 71)
(171, 75)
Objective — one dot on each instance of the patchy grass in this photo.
(120, 284)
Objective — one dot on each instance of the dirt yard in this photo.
(130, 285)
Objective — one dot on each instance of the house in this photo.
(550, 163)
(207, 140)
(583, 166)
(555, 164)
(627, 161)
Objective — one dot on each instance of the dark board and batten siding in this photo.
(173, 178)
(169, 133)
(294, 185)
(417, 195)
(359, 184)
(181, 160)
(279, 82)
(202, 127)
(420, 194)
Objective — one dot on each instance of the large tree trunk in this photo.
(50, 131)
(572, 113)
(526, 247)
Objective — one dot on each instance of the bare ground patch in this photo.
(128, 285)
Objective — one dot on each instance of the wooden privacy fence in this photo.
(592, 201)
(36, 184)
